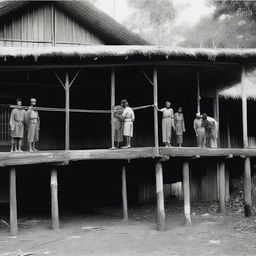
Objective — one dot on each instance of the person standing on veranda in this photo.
(33, 125)
(17, 121)
(179, 125)
(128, 118)
(200, 131)
(167, 123)
(118, 124)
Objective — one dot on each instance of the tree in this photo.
(152, 19)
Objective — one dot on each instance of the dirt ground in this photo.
(104, 233)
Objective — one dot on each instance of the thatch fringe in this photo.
(120, 50)
(235, 91)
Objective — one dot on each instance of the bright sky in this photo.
(189, 11)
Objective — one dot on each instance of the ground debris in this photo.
(91, 228)
(27, 223)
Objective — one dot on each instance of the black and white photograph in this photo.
(127, 127)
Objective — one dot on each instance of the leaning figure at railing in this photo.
(128, 117)
(17, 120)
(211, 131)
(33, 125)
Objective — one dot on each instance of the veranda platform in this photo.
(65, 156)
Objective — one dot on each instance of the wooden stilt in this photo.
(13, 203)
(155, 93)
(113, 82)
(160, 197)
(216, 113)
(247, 163)
(218, 180)
(186, 192)
(54, 196)
(124, 194)
(247, 188)
(227, 185)
(198, 93)
(67, 124)
(228, 130)
(222, 198)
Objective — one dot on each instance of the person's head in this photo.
(180, 109)
(167, 104)
(19, 102)
(123, 102)
(126, 104)
(204, 116)
(33, 101)
(198, 116)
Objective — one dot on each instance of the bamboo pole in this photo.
(54, 200)
(124, 194)
(222, 187)
(13, 203)
(160, 196)
(198, 93)
(247, 188)
(113, 78)
(247, 162)
(155, 94)
(186, 193)
(244, 110)
(67, 108)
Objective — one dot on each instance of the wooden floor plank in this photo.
(59, 156)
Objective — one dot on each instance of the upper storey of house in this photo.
(60, 23)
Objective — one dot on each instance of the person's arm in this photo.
(172, 118)
(133, 116)
(38, 119)
(195, 128)
(183, 123)
(12, 121)
(27, 117)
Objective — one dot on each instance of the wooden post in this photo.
(218, 180)
(247, 161)
(186, 192)
(222, 187)
(244, 110)
(124, 194)
(13, 203)
(160, 197)
(113, 82)
(155, 93)
(67, 131)
(227, 188)
(198, 93)
(54, 198)
(216, 113)
(247, 188)
(228, 131)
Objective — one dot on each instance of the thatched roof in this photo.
(235, 91)
(98, 22)
(163, 53)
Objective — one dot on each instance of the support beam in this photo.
(186, 193)
(124, 194)
(247, 188)
(216, 113)
(222, 198)
(13, 203)
(113, 85)
(244, 110)
(160, 196)
(228, 130)
(155, 94)
(67, 108)
(198, 93)
(54, 198)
